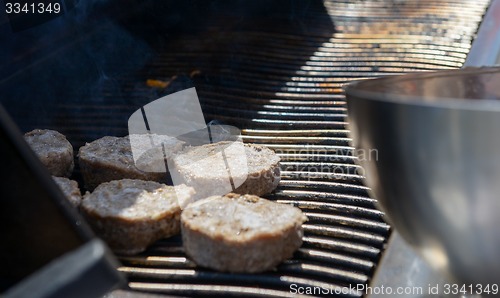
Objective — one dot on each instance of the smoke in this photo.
(61, 72)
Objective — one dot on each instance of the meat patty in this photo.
(132, 214)
(112, 158)
(53, 150)
(240, 233)
(70, 189)
(223, 167)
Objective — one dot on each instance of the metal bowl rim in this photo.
(361, 89)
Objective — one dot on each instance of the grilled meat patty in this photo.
(223, 167)
(240, 233)
(53, 150)
(111, 158)
(132, 214)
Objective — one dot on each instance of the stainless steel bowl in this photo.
(430, 147)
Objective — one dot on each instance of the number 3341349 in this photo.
(18, 8)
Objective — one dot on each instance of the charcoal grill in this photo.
(276, 72)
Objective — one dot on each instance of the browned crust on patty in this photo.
(53, 149)
(70, 190)
(131, 214)
(262, 168)
(128, 237)
(261, 183)
(110, 158)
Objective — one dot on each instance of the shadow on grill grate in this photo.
(277, 73)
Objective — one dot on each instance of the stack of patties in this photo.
(56, 154)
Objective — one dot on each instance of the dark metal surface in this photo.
(487, 38)
(56, 224)
(278, 75)
(401, 267)
(88, 271)
(47, 250)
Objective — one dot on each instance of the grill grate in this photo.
(278, 76)
(284, 90)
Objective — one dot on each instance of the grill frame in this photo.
(283, 87)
